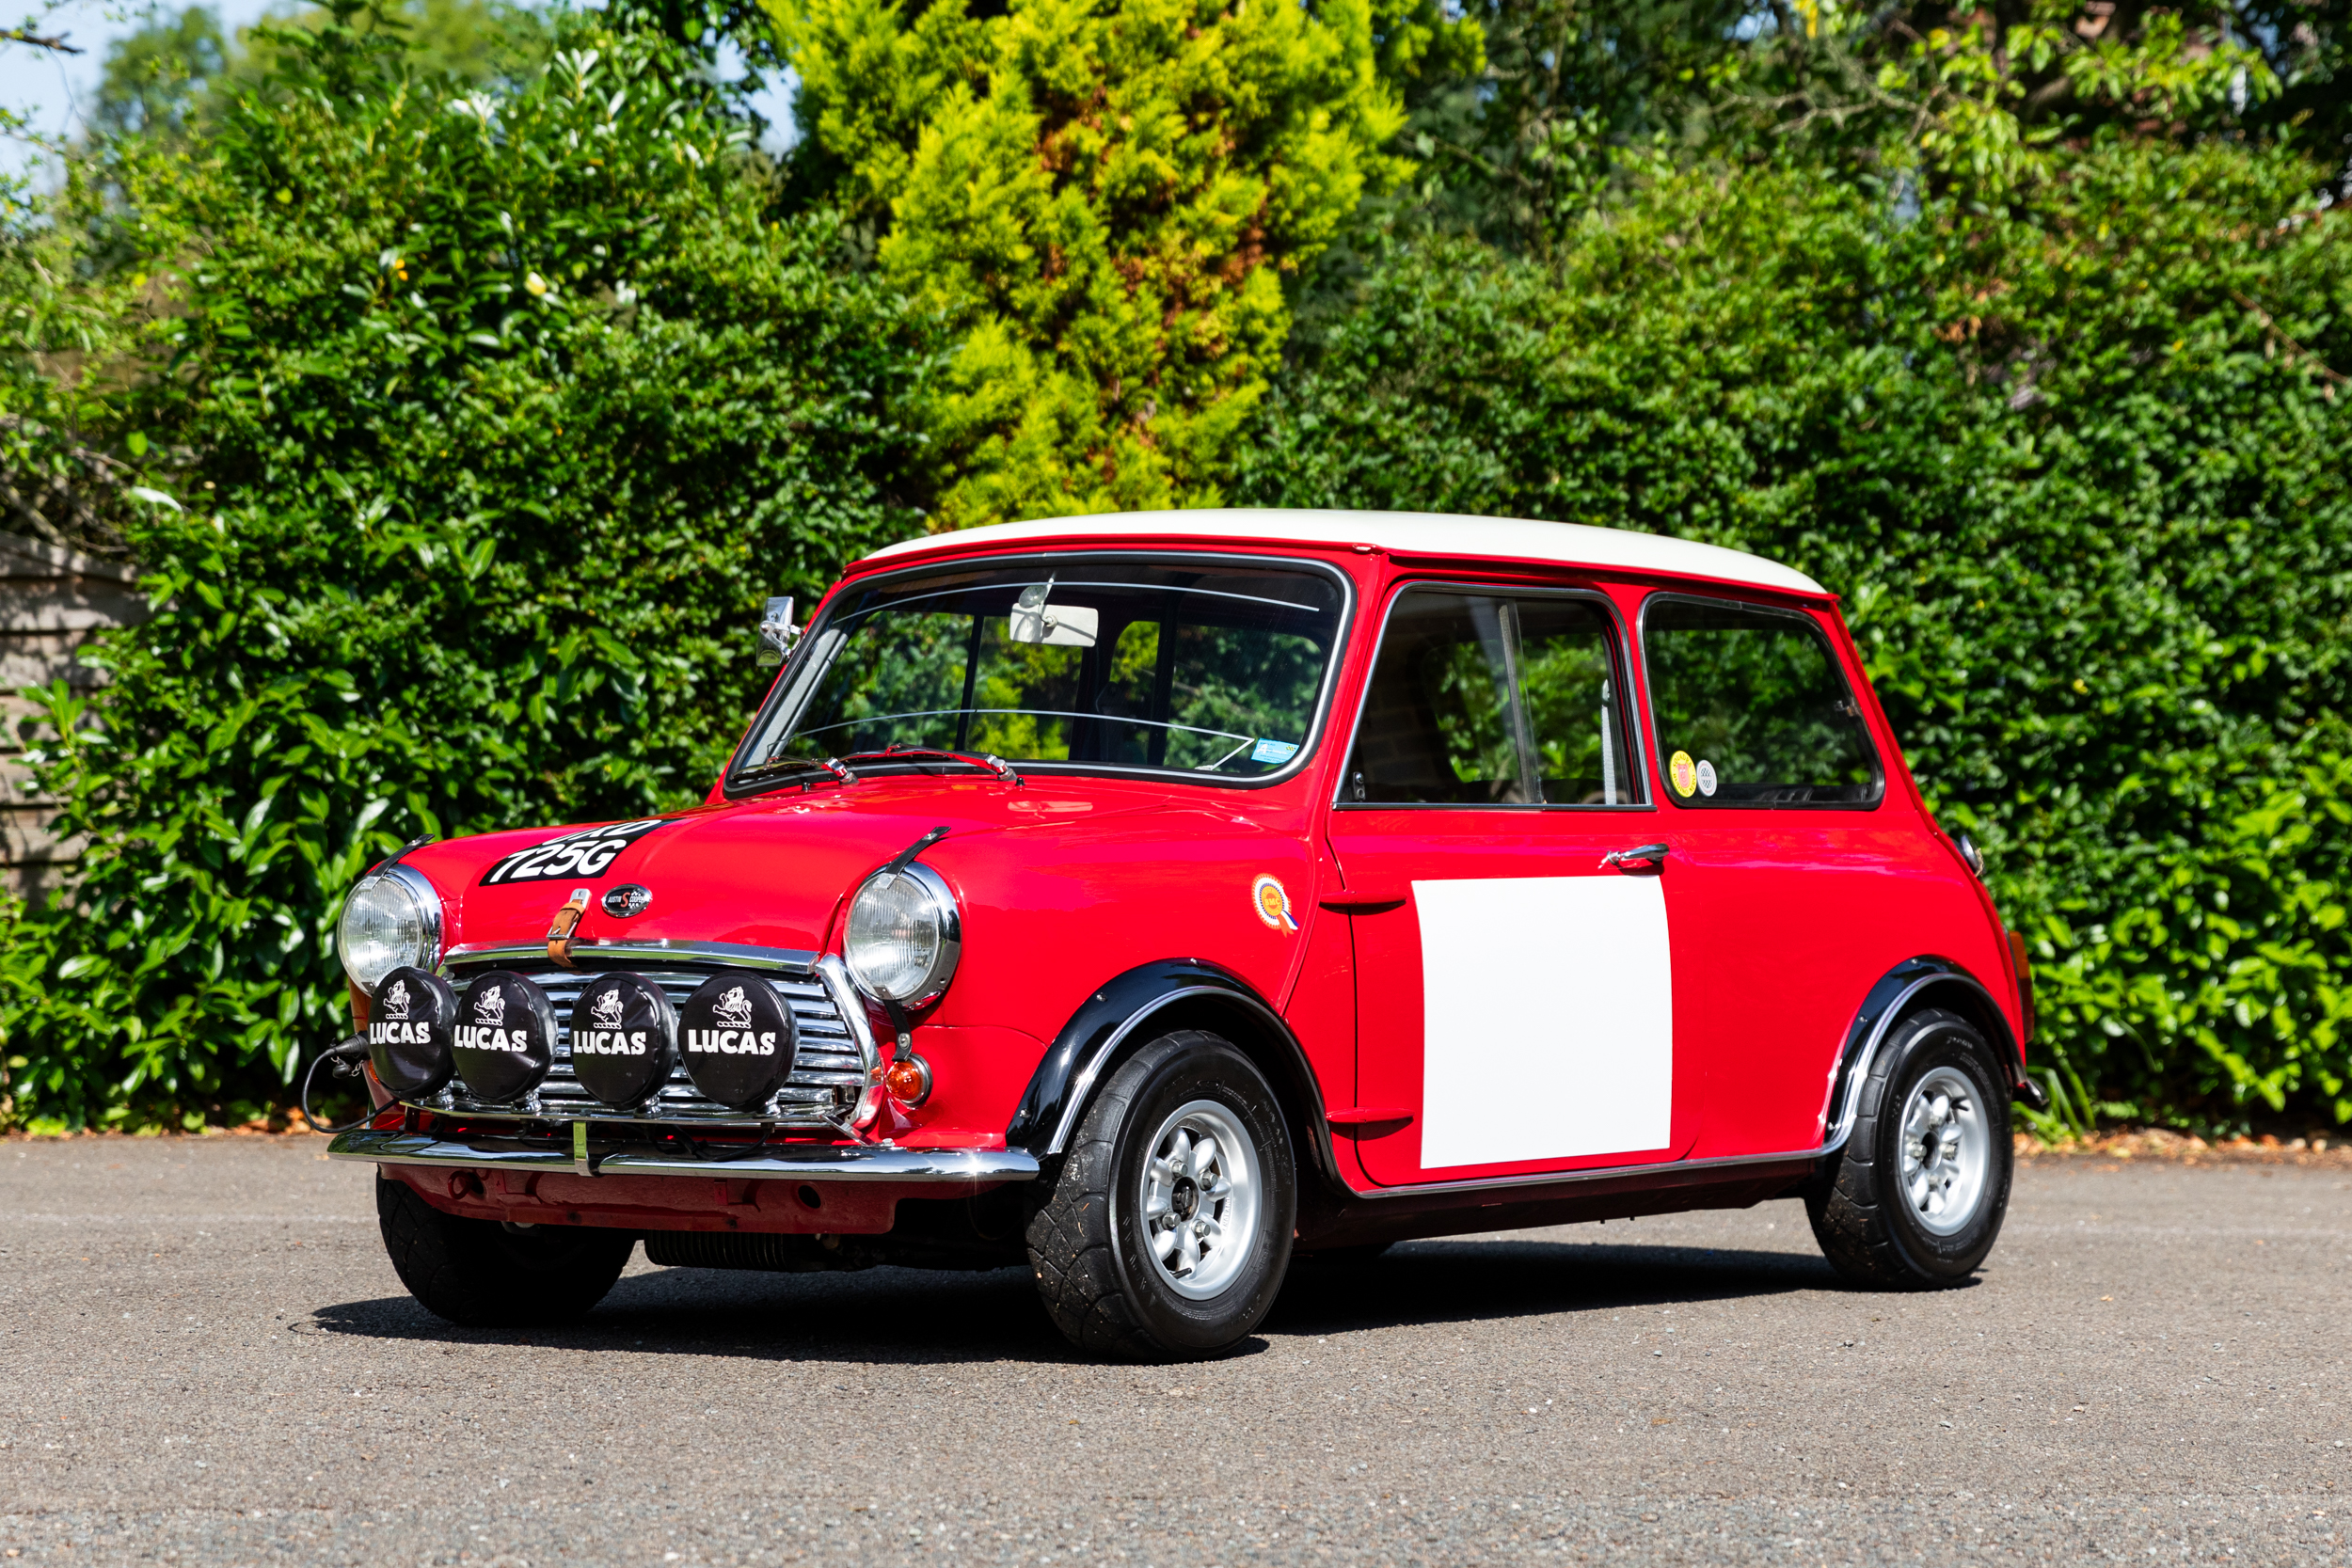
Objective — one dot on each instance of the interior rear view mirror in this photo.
(1065, 625)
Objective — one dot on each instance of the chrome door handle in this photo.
(1647, 854)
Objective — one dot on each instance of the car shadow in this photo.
(906, 1316)
(1465, 1282)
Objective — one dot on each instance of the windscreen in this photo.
(1187, 665)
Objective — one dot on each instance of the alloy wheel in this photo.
(1947, 1151)
(1200, 1192)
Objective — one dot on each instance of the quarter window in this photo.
(1482, 699)
(1752, 709)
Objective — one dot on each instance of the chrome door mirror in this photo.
(776, 630)
(1969, 854)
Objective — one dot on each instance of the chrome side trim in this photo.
(834, 976)
(779, 1162)
(791, 960)
(1082, 1084)
(1850, 1111)
(1605, 1172)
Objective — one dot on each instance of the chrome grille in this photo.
(828, 1071)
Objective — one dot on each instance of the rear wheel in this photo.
(480, 1273)
(1921, 1189)
(1168, 1230)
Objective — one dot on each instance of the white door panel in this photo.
(1549, 1025)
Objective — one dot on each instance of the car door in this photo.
(1515, 994)
(1786, 858)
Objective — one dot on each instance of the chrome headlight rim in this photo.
(427, 901)
(947, 917)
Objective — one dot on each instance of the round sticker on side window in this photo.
(1684, 777)
(1707, 777)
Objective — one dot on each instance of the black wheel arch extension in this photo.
(1136, 1008)
(1925, 981)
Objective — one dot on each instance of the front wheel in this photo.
(1919, 1191)
(480, 1273)
(1167, 1232)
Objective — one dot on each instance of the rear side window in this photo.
(1753, 710)
(1483, 700)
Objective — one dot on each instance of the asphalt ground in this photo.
(204, 1358)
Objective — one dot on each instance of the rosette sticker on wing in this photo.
(622, 1030)
(409, 1029)
(505, 1041)
(738, 1039)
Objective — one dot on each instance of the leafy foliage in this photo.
(1576, 99)
(459, 400)
(178, 73)
(490, 418)
(153, 77)
(2081, 469)
(1101, 200)
(2228, 975)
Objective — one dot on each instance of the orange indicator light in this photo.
(909, 1082)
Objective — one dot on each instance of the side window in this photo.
(1480, 700)
(1752, 709)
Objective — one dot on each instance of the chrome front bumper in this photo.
(781, 1162)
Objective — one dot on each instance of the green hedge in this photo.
(490, 420)
(2083, 476)
(459, 432)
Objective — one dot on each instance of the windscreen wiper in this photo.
(988, 764)
(788, 764)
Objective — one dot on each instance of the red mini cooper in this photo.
(1150, 898)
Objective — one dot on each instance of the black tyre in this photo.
(1917, 1194)
(1168, 1230)
(480, 1273)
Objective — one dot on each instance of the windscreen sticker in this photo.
(1683, 775)
(1707, 777)
(1274, 750)
(588, 852)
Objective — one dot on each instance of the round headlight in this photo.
(391, 919)
(904, 935)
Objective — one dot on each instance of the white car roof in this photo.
(1400, 533)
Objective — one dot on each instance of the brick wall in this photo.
(52, 599)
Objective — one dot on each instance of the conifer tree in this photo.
(1101, 199)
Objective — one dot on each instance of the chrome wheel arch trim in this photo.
(1912, 978)
(1081, 1086)
(1100, 1035)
